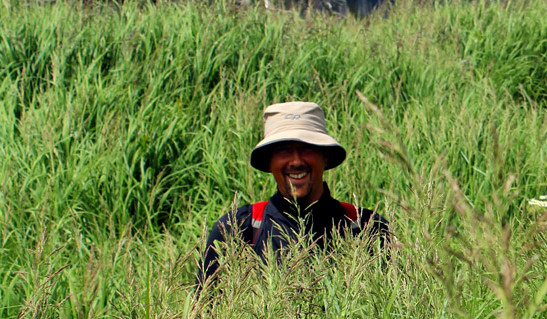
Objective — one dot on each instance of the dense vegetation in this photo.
(125, 131)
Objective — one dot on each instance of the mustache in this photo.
(297, 169)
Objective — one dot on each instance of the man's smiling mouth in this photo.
(298, 176)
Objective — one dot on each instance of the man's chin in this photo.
(301, 197)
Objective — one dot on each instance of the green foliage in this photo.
(125, 129)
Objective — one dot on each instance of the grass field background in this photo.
(125, 130)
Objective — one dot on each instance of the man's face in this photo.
(298, 170)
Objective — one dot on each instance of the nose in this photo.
(296, 158)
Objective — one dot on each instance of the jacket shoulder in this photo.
(374, 221)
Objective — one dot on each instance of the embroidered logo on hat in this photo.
(291, 116)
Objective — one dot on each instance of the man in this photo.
(297, 150)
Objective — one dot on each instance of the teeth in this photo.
(298, 175)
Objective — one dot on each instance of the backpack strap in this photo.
(351, 211)
(258, 212)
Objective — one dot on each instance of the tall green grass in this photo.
(126, 129)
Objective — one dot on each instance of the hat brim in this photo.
(261, 154)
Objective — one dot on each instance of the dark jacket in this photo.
(282, 218)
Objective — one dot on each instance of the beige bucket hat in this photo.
(295, 121)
